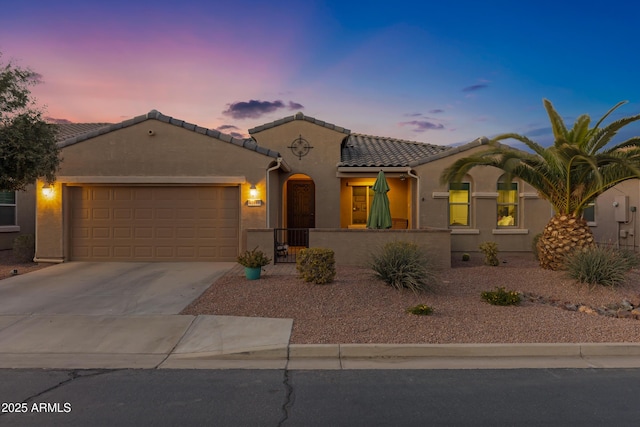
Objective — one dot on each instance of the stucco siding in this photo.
(25, 218)
(319, 163)
(150, 153)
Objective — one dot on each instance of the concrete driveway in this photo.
(125, 315)
(109, 288)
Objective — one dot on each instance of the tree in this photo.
(570, 174)
(28, 148)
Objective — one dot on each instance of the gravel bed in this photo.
(8, 263)
(359, 308)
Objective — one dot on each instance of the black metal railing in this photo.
(287, 242)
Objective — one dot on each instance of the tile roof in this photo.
(298, 116)
(367, 150)
(66, 136)
(69, 130)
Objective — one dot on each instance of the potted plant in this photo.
(253, 261)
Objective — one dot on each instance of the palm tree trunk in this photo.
(562, 235)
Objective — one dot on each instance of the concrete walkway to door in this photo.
(116, 315)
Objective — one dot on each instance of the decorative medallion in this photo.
(300, 147)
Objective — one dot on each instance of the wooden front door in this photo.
(301, 205)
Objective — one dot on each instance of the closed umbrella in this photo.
(379, 214)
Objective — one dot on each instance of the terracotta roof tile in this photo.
(69, 130)
(368, 150)
(298, 116)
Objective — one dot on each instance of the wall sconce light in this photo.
(403, 177)
(253, 201)
(47, 191)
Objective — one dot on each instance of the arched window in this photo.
(507, 204)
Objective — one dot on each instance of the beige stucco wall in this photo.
(319, 165)
(25, 218)
(354, 247)
(434, 207)
(151, 152)
(605, 228)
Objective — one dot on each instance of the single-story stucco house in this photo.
(158, 188)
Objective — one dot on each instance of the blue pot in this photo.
(252, 273)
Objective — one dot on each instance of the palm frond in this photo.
(571, 172)
(557, 124)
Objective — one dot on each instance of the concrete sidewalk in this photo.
(226, 342)
(153, 341)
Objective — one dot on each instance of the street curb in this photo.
(373, 351)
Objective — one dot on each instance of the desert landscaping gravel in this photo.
(359, 308)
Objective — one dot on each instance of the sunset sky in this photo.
(437, 72)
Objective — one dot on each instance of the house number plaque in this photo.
(300, 147)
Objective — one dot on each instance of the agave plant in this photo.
(570, 174)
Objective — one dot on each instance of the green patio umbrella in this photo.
(379, 214)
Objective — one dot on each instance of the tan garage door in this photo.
(154, 223)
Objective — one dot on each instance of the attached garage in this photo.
(153, 188)
(154, 223)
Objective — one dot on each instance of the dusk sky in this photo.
(437, 72)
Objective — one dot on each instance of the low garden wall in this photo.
(354, 246)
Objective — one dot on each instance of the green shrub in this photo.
(24, 248)
(466, 257)
(316, 265)
(599, 265)
(404, 265)
(490, 251)
(630, 257)
(254, 258)
(420, 310)
(501, 297)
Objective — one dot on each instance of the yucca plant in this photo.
(404, 265)
(599, 266)
(571, 173)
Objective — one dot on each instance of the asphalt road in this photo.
(559, 397)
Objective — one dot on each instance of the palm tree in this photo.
(570, 174)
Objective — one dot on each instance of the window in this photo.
(7, 208)
(459, 203)
(361, 199)
(507, 204)
(589, 212)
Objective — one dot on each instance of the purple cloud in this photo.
(53, 120)
(232, 130)
(436, 111)
(226, 127)
(423, 125)
(474, 88)
(295, 106)
(254, 109)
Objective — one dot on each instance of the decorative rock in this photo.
(585, 309)
(624, 314)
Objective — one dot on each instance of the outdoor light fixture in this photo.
(253, 201)
(47, 191)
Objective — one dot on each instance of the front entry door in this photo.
(301, 206)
